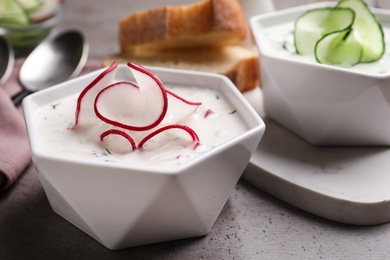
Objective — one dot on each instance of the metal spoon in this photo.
(7, 58)
(52, 62)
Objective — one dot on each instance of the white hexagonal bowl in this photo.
(323, 104)
(123, 206)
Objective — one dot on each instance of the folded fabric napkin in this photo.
(14, 145)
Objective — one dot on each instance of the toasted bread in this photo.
(237, 63)
(205, 23)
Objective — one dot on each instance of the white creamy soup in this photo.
(279, 41)
(216, 128)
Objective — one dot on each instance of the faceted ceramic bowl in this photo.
(121, 206)
(325, 105)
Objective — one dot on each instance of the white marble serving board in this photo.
(345, 184)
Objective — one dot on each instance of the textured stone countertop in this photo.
(252, 225)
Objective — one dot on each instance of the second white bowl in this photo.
(323, 104)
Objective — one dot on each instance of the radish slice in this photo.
(209, 112)
(191, 133)
(180, 108)
(155, 96)
(118, 141)
(120, 104)
(85, 113)
(138, 110)
(191, 103)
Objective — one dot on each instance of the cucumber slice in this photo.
(12, 14)
(312, 25)
(337, 48)
(367, 29)
(343, 35)
(48, 9)
(31, 5)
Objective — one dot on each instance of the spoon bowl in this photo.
(6, 59)
(52, 62)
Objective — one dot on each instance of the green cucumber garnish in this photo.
(338, 48)
(12, 14)
(344, 35)
(22, 13)
(314, 24)
(367, 29)
(31, 5)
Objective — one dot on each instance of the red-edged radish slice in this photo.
(191, 103)
(191, 133)
(179, 108)
(209, 112)
(140, 109)
(85, 113)
(155, 96)
(120, 104)
(118, 141)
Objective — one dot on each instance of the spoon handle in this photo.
(18, 97)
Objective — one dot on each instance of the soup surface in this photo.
(213, 129)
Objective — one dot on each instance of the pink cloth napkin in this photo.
(14, 145)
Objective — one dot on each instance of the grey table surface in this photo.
(252, 225)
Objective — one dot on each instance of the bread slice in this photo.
(205, 23)
(239, 64)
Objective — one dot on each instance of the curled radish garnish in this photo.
(84, 109)
(121, 104)
(191, 103)
(118, 141)
(189, 132)
(135, 110)
(155, 98)
(183, 107)
(209, 112)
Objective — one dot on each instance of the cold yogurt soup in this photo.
(278, 41)
(201, 119)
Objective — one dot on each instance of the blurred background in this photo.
(103, 16)
(98, 19)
